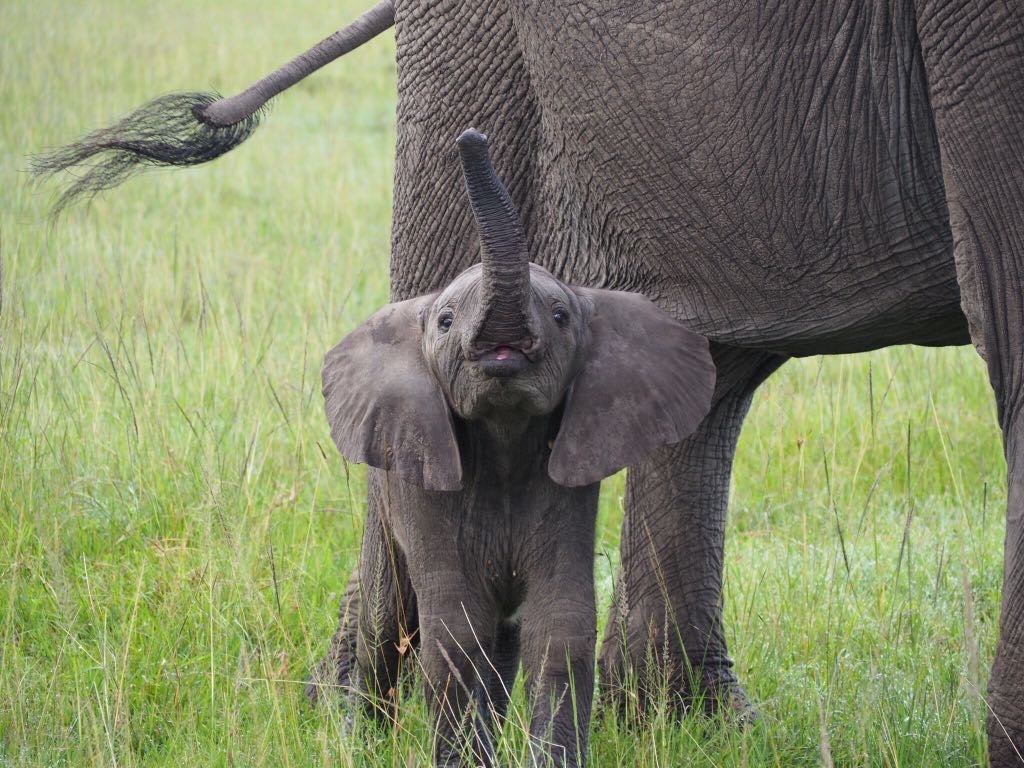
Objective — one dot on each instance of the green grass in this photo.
(176, 527)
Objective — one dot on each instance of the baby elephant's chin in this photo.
(489, 396)
(502, 362)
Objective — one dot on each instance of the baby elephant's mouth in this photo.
(503, 361)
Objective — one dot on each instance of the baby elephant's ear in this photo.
(645, 382)
(384, 405)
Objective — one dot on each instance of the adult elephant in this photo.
(791, 178)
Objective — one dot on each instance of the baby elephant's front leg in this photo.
(558, 634)
(454, 636)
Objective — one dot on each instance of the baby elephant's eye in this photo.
(561, 315)
(444, 321)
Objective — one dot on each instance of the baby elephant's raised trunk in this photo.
(504, 257)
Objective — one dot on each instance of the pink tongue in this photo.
(503, 353)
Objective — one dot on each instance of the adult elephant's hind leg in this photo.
(974, 61)
(665, 629)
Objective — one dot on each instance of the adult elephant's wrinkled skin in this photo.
(791, 178)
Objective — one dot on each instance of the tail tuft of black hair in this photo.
(168, 131)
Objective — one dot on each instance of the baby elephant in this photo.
(491, 411)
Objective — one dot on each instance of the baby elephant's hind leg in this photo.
(387, 617)
(336, 670)
(377, 622)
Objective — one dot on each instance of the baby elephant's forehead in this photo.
(460, 285)
(547, 283)
(467, 282)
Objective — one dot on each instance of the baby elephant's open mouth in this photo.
(503, 361)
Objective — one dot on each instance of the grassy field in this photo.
(176, 527)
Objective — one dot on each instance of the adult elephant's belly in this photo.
(771, 177)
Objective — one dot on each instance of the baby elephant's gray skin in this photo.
(491, 411)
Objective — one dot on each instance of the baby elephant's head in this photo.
(497, 358)
(507, 340)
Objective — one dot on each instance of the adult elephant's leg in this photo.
(1006, 683)
(973, 56)
(666, 620)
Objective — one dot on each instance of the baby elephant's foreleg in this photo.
(454, 647)
(558, 635)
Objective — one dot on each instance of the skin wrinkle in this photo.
(866, 311)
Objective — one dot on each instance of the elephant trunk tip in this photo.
(475, 153)
(471, 139)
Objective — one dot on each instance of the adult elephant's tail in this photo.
(192, 128)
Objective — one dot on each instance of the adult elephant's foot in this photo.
(724, 695)
(640, 676)
(332, 677)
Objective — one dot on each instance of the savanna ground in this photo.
(176, 527)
